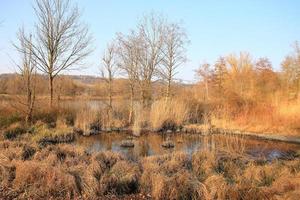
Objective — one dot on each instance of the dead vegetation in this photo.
(68, 172)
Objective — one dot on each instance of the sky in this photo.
(264, 28)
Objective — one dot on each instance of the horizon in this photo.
(264, 29)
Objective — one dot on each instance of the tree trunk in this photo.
(206, 88)
(51, 90)
(30, 101)
(168, 89)
(110, 107)
(130, 118)
(110, 94)
(29, 112)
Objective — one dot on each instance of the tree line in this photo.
(152, 51)
(60, 41)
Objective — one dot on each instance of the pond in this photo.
(151, 144)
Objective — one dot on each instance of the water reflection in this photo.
(150, 144)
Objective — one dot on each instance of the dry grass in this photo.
(181, 185)
(122, 178)
(168, 177)
(42, 131)
(280, 118)
(203, 163)
(68, 172)
(43, 181)
(168, 114)
(85, 117)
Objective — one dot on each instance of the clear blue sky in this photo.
(215, 27)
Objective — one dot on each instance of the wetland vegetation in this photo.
(135, 131)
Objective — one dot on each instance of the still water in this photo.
(151, 144)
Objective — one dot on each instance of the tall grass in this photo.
(86, 116)
(168, 113)
(269, 118)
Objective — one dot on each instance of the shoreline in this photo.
(275, 137)
(211, 131)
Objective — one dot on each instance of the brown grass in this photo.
(280, 118)
(68, 172)
(174, 112)
(43, 181)
(85, 117)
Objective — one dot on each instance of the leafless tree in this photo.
(151, 34)
(61, 41)
(219, 73)
(291, 70)
(173, 52)
(108, 71)
(27, 70)
(205, 72)
(263, 64)
(128, 52)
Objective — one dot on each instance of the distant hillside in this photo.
(76, 85)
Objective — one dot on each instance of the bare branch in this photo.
(60, 41)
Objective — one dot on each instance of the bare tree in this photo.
(291, 70)
(205, 72)
(108, 71)
(128, 52)
(27, 70)
(60, 42)
(151, 34)
(174, 53)
(219, 75)
(263, 64)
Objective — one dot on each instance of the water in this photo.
(150, 144)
